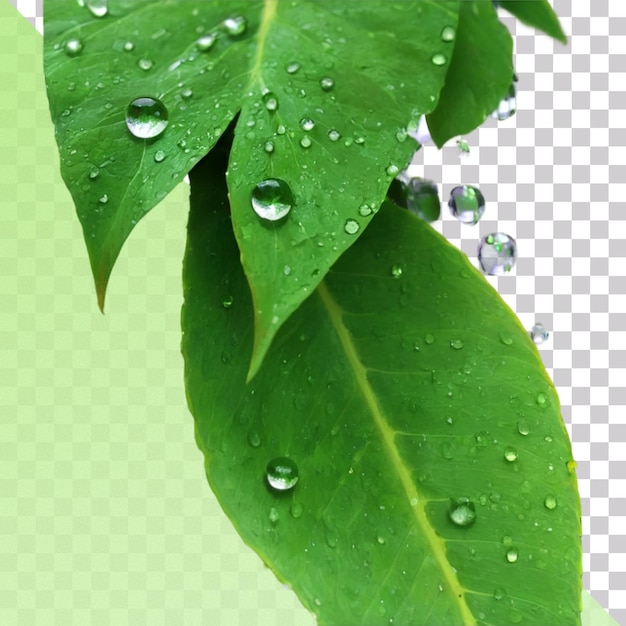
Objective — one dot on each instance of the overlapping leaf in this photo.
(538, 14)
(403, 384)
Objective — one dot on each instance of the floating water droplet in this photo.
(146, 117)
(539, 334)
(438, 59)
(103, 199)
(334, 135)
(510, 454)
(550, 502)
(352, 227)
(268, 147)
(448, 33)
(145, 64)
(307, 124)
(235, 26)
(467, 204)
(292, 68)
(98, 8)
(159, 155)
(392, 169)
(271, 101)
(73, 47)
(457, 344)
(522, 427)
(272, 199)
(507, 106)
(296, 510)
(497, 254)
(396, 271)
(416, 194)
(512, 555)
(306, 142)
(129, 46)
(206, 42)
(365, 210)
(327, 83)
(499, 593)
(282, 474)
(462, 512)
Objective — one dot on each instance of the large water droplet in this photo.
(307, 124)
(457, 344)
(462, 512)
(146, 117)
(522, 427)
(159, 156)
(282, 474)
(539, 334)
(327, 83)
(448, 33)
(334, 134)
(467, 204)
(510, 454)
(351, 227)
(73, 47)
(512, 554)
(306, 142)
(268, 146)
(272, 199)
(206, 42)
(497, 253)
(438, 59)
(550, 502)
(507, 106)
(271, 101)
(98, 8)
(417, 195)
(235, 25)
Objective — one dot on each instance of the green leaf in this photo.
(480, 73)
(538, 14)
(593, 614)
(402, 385)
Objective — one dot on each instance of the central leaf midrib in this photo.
(269, 11)
(388, 435)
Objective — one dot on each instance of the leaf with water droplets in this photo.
(414, 430)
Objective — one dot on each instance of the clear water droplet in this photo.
(272, 199)
(104, 198)
(512, 555)
(457, 344)
(271, 101)
(522, 427)
(292, 68)
(254, 438)
(539, 334)
(506, 338)
(159, 156)
(186, 93)
(306, 142)
(98, 8)
(462, 512)
(448, 34)
(401, 135)
(227, 302)
(129, 46)
(467, 204)
(268, 147)
(392, 169)
(281, 129)
(351, 227)
(333, 134)
(281, 474)
(296, 510)
(499, 593)
(510, 454)
(497, 253)
(542, 399)
(438, 59)
(417, 195)
(206, 42)
(145, 64)
(287, 270)
(428, 338)
(273, 515)
(507, 106)
(550, 502)
(327, 83)
(146, 117)
(365, 210)
(235, 26)
(306, 123)
(73, 47)
(396, 271)
(94, 173)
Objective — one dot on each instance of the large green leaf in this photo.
(538, 14)
(402, 384)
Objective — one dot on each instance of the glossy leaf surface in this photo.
(436, 484)
(538, 14)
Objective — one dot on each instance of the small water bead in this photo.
(129, 46)
(254, 438)
(327, 83)
(272, 199)
(271, 101)
(282, 474)
(396, 272)
(542, 399)
(227, 302)
(281, 130)
(392, 169)
(307, 124)
(510, 454)
(273, 516)
(512, 555)
(235, 26)
(499, 593)
(94, 173)
(462, 512)
(292, 68)
(522, 427)
(145, 64)
(428, 338)
(571, 466)
(103, 199)
(417, 195)
(352, 227)
(438, 59)
(306, 142)
(98, 8)
(206, 42)
(73, 47)
(457, 344)
(448, 33)
(334, 135)
(497, 253)
(507, 106)
(268, 147)
(550, 502)
(296, 510)
(539, 334)
(506, 338)
(467, 204)
(146, 117)
(159, 156)
(365, 210)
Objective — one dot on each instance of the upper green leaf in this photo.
(538, 14)
(400, 387)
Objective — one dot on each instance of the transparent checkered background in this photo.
(554, 177)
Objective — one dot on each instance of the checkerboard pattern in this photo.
(554, 177)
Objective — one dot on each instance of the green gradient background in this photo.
(105, 513)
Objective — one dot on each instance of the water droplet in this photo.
(94, 173)
(287, 270)
(550, 502)
(467, 204)
(206, 42)
(296, 510)
(271, 101)
(281, 130)
(522, 427)
(292, 68)
(417, 195)
(273, 516)
(254, 438)
(510, 454)
(227, 302)
(334, 135)
(571, 466)
(146, 118)
(463, 147)
(539, 334)
(129, 46)
(159, 155)
(448, 33)
(457, 344)
(497, 253)
(272, 199)
(282, 474)
(73, 47)
(307, 124)
(186, 93)
(462, 512)
(438, 59)
(145, 64)
(103, 199)
(512, 554)
(507, 106)
(447, 451)
(392, 169)
(327, 83)
(428, 338)
(306, 142)
(98, 8)
(499, 593)
(365, 210)
(352, 227)
(401, 135)
(505, 338)
(542, 399)
(235, 26)
(268, 147)
(396, 271)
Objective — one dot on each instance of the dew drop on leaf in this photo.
(428, 338)
(296, 510)
(510, 454)
(206, 42)
(254, 438)
(273, 516)
(306, 142)
(499, 593)
(227, 302)
(542, 399)
(159, 156)
(281, 474)
(327, 83)
(145, 64)
(396, 271)
(365, 210)
(512, 555)
(448, 33)
(392, 169)
(272, 199)
(94, 173)
(292, 68)
(497, 254)
(462, 512)
(522, 427)
(129, 46)
(271, 101)
(235, 26)
(550, 502)
(103, 199)
(186, 93)
(457, 344)
(467, 204)
(268, 147)
(507, 106)
(73, 47)
(506, 338)
(334, 135)
(539, 334)
(98, 8)
(351, 227)
(306, 123)
(146, 117)
(438, 59)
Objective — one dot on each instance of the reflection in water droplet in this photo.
(539, 334)
(146, 117)
(438, 59)
(206, 42)
(457, 344)
(235, 25)
(270, 101)
(351, 227)
(522, 427)
(550, 502)
(327, 83)
(448, 33)
(145, 64)
(159, 155)
(512, 554)
(462, 512)
(507, 106)
(282, 474)
(306, 123)
(272, 199)
(98, 8)
(418, 195)
(396, 271)
(467, 204)
(510, 454)
(497, 253)
(73, 47)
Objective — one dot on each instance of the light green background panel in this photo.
(105, 513)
